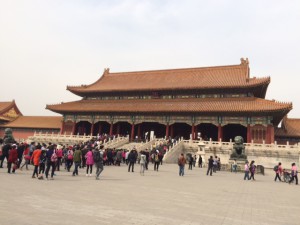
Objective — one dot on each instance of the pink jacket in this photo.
(89, 158)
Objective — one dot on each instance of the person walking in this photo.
(12, 159)
(143, 163)
(98, 160)
(59, 153)
(89, 162)
(210, 165)
(252, 169)
(51, 159)
(156, 160)
(294, 174)
(77, 160)
(5, 149)
(191, 161)
(42, 164)
(26, 155)
(246, 169)
(131, 160)
(181, 164)
(278, 172)
(200, 161)
(70, 157)
(234, 166)
(215, 164)
(35, 158)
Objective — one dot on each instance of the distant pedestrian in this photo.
(12, 159)
(210, 165)
(42, 164)
(181, 164)
(98, 160)
(246, 169)
(51, 161)
(89, 162)
(77, 160)
(215, 164)
(156, 160)
(294, 174)
(252, 169)
(278, 172)
(35, 158)
(191, 161)
(143, 163)
(200, 161)
(131, 160)
(234, 166)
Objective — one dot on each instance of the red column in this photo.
(132, 132)
(193, 132)
(270, 134)
(74, 128)
(139, 131)
(220, 132)
(167, 130)
(196, 132)
(249, 133)
(62, 128)
(172, 131)
(92, 129)
(111, 128)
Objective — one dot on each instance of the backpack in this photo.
(275, 168)
(156, 158)
(96, 156)
(70, 156)
(53, 157)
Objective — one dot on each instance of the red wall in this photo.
(20, 134)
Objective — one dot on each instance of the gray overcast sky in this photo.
(47, 45)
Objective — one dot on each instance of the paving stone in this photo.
(162, 197)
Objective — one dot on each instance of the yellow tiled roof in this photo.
(290, 127)
(246, 104)
(236, 76)
(48, 122)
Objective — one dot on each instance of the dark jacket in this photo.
(210, 162)
(132, 157)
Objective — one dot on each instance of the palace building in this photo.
(25, 126)
(211, 102)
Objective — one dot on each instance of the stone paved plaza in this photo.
(160, 197)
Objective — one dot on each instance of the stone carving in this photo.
(8, 137)
(238, 151)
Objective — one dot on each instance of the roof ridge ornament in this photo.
(244, 61)
(106, 71)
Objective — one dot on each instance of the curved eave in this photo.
(261, 89)
(10, 106)
(225, 106)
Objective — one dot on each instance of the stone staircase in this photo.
(129, 146)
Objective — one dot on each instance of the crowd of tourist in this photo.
(49, 158)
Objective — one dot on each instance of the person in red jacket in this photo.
(35, 158)
(12, 158)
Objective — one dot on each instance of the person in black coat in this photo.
(210, 165)
(5, 150)
(131, 160)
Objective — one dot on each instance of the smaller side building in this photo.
(288, 132)
(25, 126)
(9, 111)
